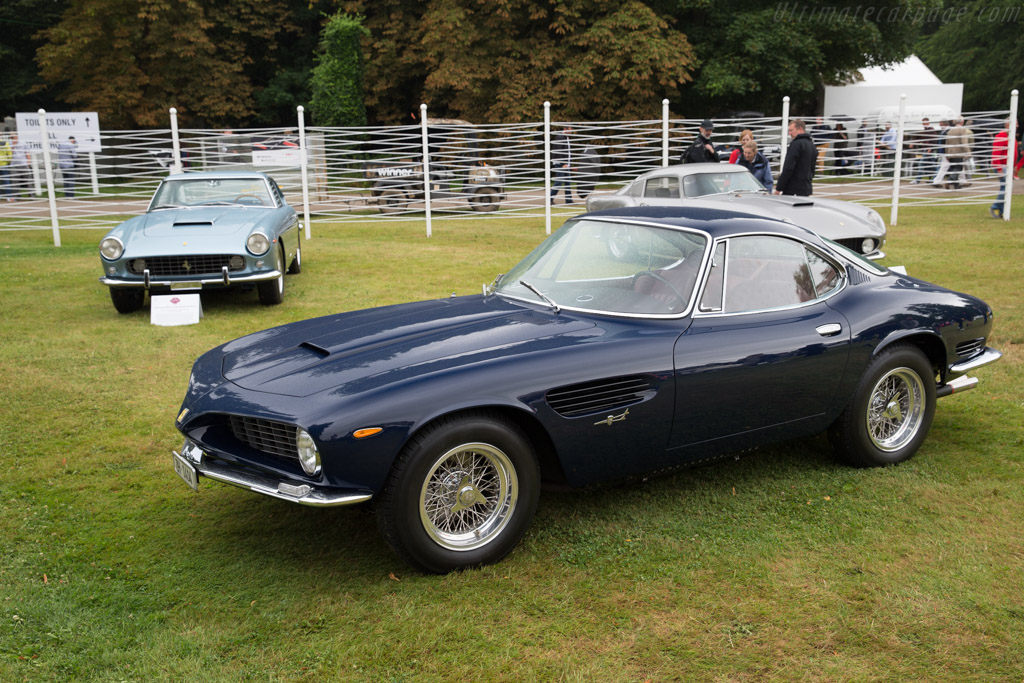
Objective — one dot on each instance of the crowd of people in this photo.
(16, 179)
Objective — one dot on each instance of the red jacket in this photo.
(999, 152)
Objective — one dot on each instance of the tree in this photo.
(337, 80)
(752, 55)
(21, 88)
(499, 60)
(982, 46)
(131, 60)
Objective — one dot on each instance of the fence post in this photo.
(897, 170)
(304, 170)
(92, 173)
(664, 132)
(426, 164)
(547, 167)
(175, 142)
(44, 142)
(1011, 155)
(785, 132)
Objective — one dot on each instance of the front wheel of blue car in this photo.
(462, 493)
(127, 300)
(891, 412)
(271, 292)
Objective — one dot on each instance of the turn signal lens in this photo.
(369, 431)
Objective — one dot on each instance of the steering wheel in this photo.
(661, 279)
(259, 200)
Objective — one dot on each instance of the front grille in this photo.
(185, 266)
(852, 243)
(598, 396)
(275, 438)
(969, 348)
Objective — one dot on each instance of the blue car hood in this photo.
(203, 221)
(358, 351)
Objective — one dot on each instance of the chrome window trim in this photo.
(705, 258)
(844, 280)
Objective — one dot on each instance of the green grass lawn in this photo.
(780, 565)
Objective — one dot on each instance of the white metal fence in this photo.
(479, 171)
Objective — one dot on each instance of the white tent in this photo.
(879, 89)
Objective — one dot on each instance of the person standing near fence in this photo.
(67, 159)
(19, 172)
(1000, 152)
(5, 162)
(758, 166)
(561, 164)
(940, 151)
(737, 152)
(701, 150)
(921, 144)
(958, 151)
(798, 171)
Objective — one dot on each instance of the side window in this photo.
(665, 187)
(276, 191)
(766, 272)
(826, 276)
(711, 300)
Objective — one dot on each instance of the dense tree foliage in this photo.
(337, 80)
(21, 87)
(131, 60)
(981, 46)
(251, 61)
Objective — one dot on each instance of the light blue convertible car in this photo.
(202, 231)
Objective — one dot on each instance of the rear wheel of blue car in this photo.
(271, 292)
(127, 300)
(891, 412)
(462, 493)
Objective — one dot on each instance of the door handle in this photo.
(829, 330)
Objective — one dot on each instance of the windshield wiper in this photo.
(217, 203)
(168, 206)
(543, 296)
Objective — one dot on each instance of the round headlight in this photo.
(257, 243)
(111, 248)
(867, 246)
(309, 456)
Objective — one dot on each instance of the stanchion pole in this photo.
(664, 132)
(785, 132)
(897, 170)
(44, 141)
(547, 167)
(1011, 155)
(426, 164)
(175, 142)
(304, 168)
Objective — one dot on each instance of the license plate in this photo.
(186, 285)
(186, 471)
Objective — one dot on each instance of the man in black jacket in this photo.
(701, 150)
(801, 156)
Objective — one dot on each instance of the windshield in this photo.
(610, 267)
(218, 191)
(703, 184)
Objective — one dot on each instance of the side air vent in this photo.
(969, 348)
(599, 396)
(856, 276)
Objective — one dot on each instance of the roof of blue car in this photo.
(208, 175)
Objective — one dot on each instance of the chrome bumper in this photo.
(225, 279)
(301, 493)
(989, 355)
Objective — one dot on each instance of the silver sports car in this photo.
(852, 225)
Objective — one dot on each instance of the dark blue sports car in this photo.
(631, 341)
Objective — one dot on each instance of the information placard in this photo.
(83, 126)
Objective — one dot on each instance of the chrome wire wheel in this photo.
(896, 409)
(468, 496)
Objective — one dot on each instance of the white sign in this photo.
(291, 156)
(175, 309)
(83, 126)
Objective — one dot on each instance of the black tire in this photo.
(485, 199)
(271, 292)
(296, 267)
(127, 300)
(460, 494)
(391, 201)
(891, 412)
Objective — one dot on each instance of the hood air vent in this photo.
(599, 396)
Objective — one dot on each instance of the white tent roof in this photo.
(910, 72)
